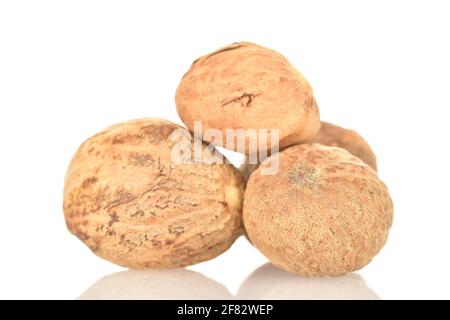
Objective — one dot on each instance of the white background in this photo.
(70, 68)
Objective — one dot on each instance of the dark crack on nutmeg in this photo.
(231, 47)
(121, 197)
(155, 243)
(89, 182)
(176, 230)
(113, 218)
(245, 100)
(138, 213)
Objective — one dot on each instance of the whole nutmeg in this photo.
(128, 200)
(335, 136)
(248, 87)
(325, 212)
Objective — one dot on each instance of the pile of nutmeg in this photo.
(149, 193)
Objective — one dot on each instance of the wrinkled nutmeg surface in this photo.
(247, 86)
(335, 136)
(131, 204)
(324, 213)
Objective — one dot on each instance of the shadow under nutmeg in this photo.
(269, 282)
(156, 285)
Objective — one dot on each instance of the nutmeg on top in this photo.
(244, 93)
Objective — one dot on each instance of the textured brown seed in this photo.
(324, 213)
(246, 86)
(350, 140)
(131, 204)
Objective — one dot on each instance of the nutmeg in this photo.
(251, 90)
(325, 212)
(132, 204)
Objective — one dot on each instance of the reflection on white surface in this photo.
(269, 282)
(156, 284)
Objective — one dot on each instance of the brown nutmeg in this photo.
(131, 204)
(325, 212)
(335, 136)
(249, 87)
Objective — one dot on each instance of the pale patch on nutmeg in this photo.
(303, 175)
